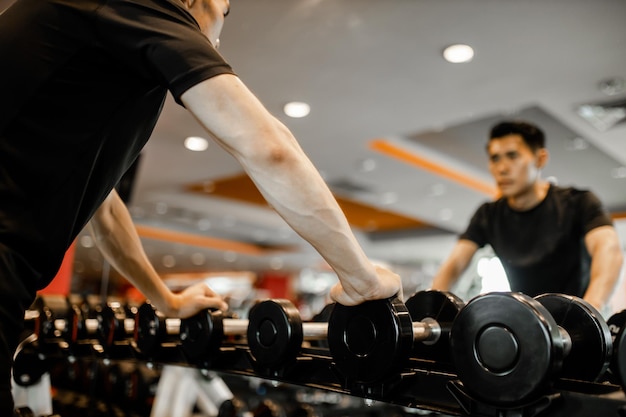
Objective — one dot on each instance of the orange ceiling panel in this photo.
(389, 149)
(240, 187)
(207, 242)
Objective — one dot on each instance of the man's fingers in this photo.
(218, 303)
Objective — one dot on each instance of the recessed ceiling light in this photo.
(276, 263)
(367, 165)
(446, 214)
(196, 144)
(437, 189)
(168, 261)
(389, 198)
(297, 109)
(198, 258)
(458, 53)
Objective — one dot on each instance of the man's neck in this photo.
(531, 198)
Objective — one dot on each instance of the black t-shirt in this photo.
(82, 83)
(542, 249)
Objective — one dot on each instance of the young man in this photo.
(548, 238)
(82, 84)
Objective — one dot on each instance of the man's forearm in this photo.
(118, 241)
(283, 174)
(605, 270)
(456, 263)
(605, 249)
(294, 188)
(599, 292)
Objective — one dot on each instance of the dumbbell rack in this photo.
(422, 384)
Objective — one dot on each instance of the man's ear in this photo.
(542, 157)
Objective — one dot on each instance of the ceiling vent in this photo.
(604, 116)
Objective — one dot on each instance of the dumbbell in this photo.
(370, 342)
(23, 412)
(276, 332)
(508, 348)
(41, 316)
(202, 335)
(55, 317)
(115, 323)
(129, 384)
(440, 307)
(617, 368)
(141, 387)
(591, 350)
(29, 363)
(52, 317)
(152, 330)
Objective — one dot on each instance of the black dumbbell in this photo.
(116, 323)
(508, 349)
(372, 341)
(617, 368)
(140, 388)
(42, 315)
(30, 363)
(23, 412)
(203, 334)
(591, 349)
(440, 308)
(54, 317)
(276, 332)
(153, 330)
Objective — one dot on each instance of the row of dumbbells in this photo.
(505, 348)
(273, 332)
(96, 387)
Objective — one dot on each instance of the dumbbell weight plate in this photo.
(75, 328)
(50, 307)
(370, 341)
(201, 335)
(591, 350)
(149, 330)
(110, 325)
(506, 348)
(23, 412)
(30, 364)
(617, 326)
(274, 332)
(443, 307)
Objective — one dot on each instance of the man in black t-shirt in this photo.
(548, 238)
(82, 83)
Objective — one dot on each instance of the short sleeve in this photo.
(593, 212)
(160, 40)
(477, 229)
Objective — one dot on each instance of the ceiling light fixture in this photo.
(196, 144)
(458, 53)
(367, 165)
(604, 116)
(612, 86)
(297, 109)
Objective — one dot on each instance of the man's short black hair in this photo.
(532, 135)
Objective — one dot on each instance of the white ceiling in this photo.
(373, 69)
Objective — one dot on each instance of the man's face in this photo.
(514, 166)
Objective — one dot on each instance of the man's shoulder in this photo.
(497, 204)
(569, 192)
